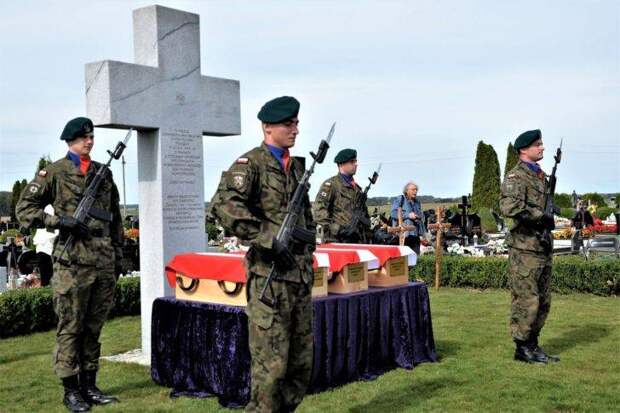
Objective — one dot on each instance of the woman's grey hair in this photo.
(407, 185)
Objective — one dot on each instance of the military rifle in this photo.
(359, 207)
(85, 209)
(289, 229)
(550, 207)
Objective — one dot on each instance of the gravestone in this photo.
(171, 105)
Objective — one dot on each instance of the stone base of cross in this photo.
(440, 226)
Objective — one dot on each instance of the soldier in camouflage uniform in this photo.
(334, 205)
(529, 262)
(84, 279)
(251, 204)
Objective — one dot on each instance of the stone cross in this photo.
(171, 105)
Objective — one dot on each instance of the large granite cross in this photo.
(171, 105)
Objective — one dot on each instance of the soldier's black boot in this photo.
(73, 399)
(523, 352)
(540, 354)
(89, 390)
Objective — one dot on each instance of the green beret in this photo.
(279, 110)
(527, 138)
(77, 127)
(345, 155)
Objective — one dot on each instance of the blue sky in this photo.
(414, 85)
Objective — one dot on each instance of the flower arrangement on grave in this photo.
(605, 228)
(587, 232)
(231, 244)
(456, 249)
(566, 233)
(497, 247)
(132, 233)
(29, 281)
(561, 222)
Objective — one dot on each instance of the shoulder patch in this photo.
(42, 173)
(327, 183)
(33, 187)
(243, 160)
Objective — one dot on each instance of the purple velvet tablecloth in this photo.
(201, 349)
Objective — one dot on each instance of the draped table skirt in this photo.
(201, 349)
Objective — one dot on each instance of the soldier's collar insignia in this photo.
(243, 160)
(42, 173)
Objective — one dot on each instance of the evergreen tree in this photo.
(43, 162)
(563, 200)
(486, 185)
(512, 157)
(16, 192)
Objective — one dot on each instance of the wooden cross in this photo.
(440, 227)
(400, 230)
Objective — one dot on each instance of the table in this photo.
(201, 349)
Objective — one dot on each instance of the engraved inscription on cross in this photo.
(172, 106)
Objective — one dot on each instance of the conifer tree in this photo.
(512, 157)
(486, 185)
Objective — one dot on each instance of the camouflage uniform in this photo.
(251, 204)
(529, 264)
(334, 209)
(84, 282)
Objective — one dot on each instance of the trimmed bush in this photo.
(9, 233)
(595, 198)
(25, 311)
(604, 212)
(126, 297)
(600, 276)
(567, 212)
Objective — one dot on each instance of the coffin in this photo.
(220, 278)
(349, 269)
(391, 267)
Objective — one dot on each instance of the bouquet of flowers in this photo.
(497, 247)
(231, 244)
(456, 249)
(132, 233)
(566, 233)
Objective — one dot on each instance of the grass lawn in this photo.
(476, 372)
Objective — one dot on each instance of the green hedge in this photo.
(25, 311)
(604, 212)
(567, 212)
(599, 276)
